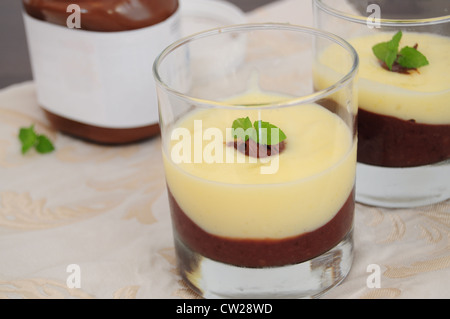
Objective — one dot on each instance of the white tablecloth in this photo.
(90, 221)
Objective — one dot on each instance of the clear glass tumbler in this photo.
(404, 96)
(260, 166)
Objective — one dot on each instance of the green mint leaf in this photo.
(28, 137)
(408, 57)
(411, 58)
(395, 41)
(44, 145)
(387, 51)
(243, 123)
(382, 52)
(261, 132)
(266, 135)
(243, 129)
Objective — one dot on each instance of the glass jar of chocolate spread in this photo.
(92, 64)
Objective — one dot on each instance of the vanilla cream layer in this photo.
(423, 96)
(314, 176)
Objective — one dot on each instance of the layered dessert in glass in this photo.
(404, 108)
(232, 213)
(260, 170)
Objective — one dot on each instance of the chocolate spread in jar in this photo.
(258, 253)
(117, 80)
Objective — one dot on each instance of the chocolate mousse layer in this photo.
(391, 142)
(257, 253)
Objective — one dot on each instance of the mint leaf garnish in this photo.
(243, 123)
(29, 138)
(260, 131)
(411, 58)
(387, 51)
(407, 58)
(264, 130)
(243, 129)
(44, 145)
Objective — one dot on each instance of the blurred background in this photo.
(15, 64)
(14, 60)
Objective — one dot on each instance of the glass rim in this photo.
(304, 99)
(382, 22)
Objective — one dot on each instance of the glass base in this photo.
(309, 279)
(402, 187)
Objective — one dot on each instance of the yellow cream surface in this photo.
(302, 189)
(422, 95)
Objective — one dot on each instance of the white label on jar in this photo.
(98, 78)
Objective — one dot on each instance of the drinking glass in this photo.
(260, 166)
(404, 112)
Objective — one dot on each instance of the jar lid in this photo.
(200, 15)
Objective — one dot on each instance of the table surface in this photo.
(101, 213)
